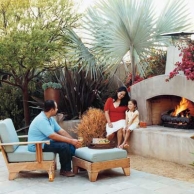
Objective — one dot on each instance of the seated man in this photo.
(44, 127)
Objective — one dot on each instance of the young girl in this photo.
(131, 122)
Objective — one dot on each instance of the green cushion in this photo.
(22, 154)
(98, 155)
(8, 134)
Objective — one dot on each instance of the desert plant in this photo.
(80, 91)
(51, 85)
(92, 125)
(193, 155)
(117, 27)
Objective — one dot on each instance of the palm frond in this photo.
(79, 54)
(116, 26)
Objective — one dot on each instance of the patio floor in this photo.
(109, 181)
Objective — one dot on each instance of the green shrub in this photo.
(11, 105)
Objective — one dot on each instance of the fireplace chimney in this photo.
(173, 52)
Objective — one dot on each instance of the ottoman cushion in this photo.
(98, 155)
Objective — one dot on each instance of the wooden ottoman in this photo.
(95, 160)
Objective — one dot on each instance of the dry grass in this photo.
(162, 168)
(92, 125)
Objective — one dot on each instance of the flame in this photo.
(181, 107)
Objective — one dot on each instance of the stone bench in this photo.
(96, 160)
(169, 144)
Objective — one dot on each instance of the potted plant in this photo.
(52, 91)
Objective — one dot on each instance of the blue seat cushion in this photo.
(21, 154)
(99, 155)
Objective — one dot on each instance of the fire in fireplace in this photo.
(180, 117)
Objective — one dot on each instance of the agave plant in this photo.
(117, 27)
(51, 85)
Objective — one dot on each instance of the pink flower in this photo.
(187, 63)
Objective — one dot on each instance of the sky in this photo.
(86, 3)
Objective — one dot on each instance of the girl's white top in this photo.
(130, 115)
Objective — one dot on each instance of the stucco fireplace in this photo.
(155, 96)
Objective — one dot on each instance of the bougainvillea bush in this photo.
(157, 63)
(156, 66)
(128, 80)
(187, 63)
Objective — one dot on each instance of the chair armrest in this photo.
(22, 136)
(23, 128)
(39, 156)
(24, 143)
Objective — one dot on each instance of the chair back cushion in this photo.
(8, 134)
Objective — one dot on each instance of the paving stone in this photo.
(110, 181)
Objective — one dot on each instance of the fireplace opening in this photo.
(179, 117)
(164, 106)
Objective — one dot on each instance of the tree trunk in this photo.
(132, 63)
(25, 105)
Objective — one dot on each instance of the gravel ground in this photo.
(162, 168)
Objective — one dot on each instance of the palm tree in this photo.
(115, 27)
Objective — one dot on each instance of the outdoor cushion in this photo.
(8, 134)
(22, 154)
(98, 155)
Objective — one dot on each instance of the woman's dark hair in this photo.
(48, 105)
(125, 99)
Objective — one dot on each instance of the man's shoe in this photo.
(67, 173)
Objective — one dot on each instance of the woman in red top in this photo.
(115, 108)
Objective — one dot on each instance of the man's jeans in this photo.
(65, 151)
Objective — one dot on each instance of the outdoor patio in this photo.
(110, 181)
(82, 51)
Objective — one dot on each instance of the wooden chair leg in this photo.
(126, 171)
(51, 172)
(13, 175)
(92, 176)
(75, 169)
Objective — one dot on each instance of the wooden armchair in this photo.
(16, 154)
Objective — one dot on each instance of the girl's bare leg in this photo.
(125, 144)
(119, 137)
(124, 132)
(111, 136)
